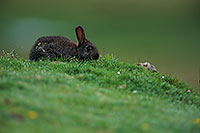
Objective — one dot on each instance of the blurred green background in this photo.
(163, 32)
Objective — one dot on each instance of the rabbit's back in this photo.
(53, 47)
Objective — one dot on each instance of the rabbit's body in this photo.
(61, 47)
(53, 47)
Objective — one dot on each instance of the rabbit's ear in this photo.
(80, 34)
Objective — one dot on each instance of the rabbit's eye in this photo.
(88, 48)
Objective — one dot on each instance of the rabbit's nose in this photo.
(95, 57)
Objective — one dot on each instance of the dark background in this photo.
(163, 32)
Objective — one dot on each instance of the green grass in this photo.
(90, 96)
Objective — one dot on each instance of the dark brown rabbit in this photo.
(61, 47)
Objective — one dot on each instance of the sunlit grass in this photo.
(92, 96)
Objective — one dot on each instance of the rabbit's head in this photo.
(86, 50)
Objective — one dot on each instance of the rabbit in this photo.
(61, 47)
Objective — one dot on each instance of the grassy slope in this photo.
(92, 97)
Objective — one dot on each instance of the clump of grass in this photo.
(10, 55)
(110, 72)
(107, 95)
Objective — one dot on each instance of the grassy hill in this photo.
(93, 96)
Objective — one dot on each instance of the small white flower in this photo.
(39, 43)
(118, 72)
(43, 50)
(163, 77)
(135, 91)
